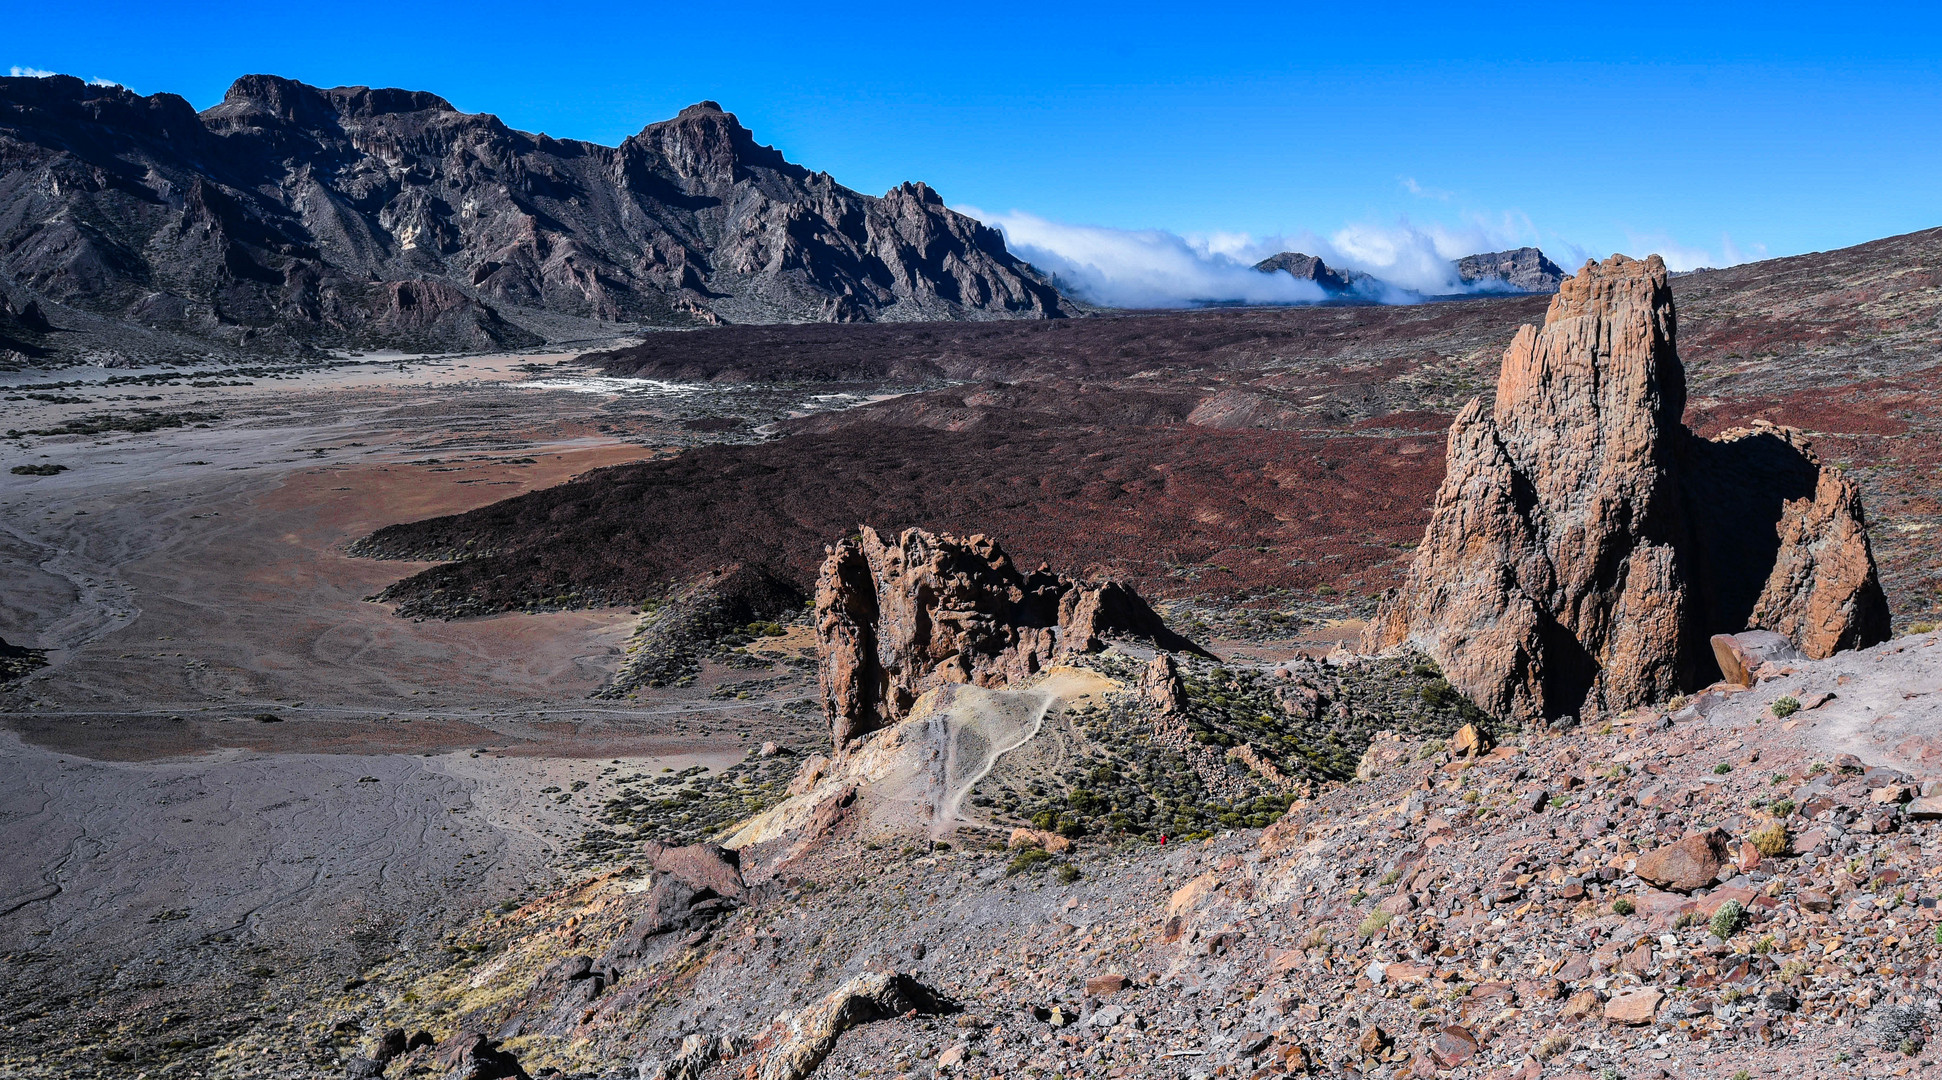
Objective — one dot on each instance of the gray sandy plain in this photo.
(177, 871)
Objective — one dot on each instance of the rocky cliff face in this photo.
(294, 215)
(895, 618)
(1523, 269)
(1585, 545)
(1308, 268)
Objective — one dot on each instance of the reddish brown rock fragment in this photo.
(1688, 864)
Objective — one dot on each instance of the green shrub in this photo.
(1786, 706)
(1067, 873)
(1374, 923)
(1438, 694)
(1622, 906)
(1726, 920)
(1781, 808)
(1770, 839)
(1030, 858)
(1722, 769)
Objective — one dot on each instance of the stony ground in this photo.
(1515, 913)
(193, 890)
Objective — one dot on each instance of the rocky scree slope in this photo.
(1585, 546)
(1691, 890)
(290, 216)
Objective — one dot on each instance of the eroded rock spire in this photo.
(1585, 545)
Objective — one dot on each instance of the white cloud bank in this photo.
(1141, 268)
(1156, 268)
(20, 72)
(1680, 256)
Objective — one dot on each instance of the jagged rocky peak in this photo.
(896, 617)
(299, 103)
(285, 217)
(1307, 268)
(1585, 546)
(706, 143)
(1524, 269)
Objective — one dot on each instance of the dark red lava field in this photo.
(1217, 452)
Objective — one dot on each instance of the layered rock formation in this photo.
(294, 215)
(1585, 545)
(895, 618)
(1523, 269)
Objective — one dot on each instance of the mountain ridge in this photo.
(296, 217)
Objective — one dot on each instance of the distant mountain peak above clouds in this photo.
(295, 217)
(1307, 268)
(1524, 269)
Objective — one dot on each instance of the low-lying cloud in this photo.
(1680, 256)
(1143, 267)
(19, 72)
(1156, 268)
(1406, 262)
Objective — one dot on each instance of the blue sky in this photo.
(1709, 132)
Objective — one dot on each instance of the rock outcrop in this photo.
(1585, 546)
(794, 1049)
(292, 216)
(897, 617)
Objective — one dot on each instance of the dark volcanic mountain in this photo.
(295, 217)
(1524, 269)
(1309, 268)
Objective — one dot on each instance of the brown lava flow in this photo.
(1210, 453)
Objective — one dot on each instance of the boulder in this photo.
(1469, 741)
(1687, 864)
(1585, 546)
(895, 618)
(1634, 1007)
(1101, 985)
(704, 866)
(1453, 1046)
(1741, 655)
(811, 1034)
(471, 1056)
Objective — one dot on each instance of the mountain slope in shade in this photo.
(295, 216)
